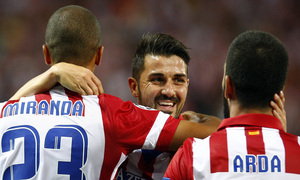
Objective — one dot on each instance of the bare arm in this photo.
(209, 120)
(201, 126)
(75, 78)
(194, 125)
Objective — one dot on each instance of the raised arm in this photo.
(74, 78)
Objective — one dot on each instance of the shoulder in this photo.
(110, 99)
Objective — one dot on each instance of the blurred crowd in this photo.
(205, 27)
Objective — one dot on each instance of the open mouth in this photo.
(167, 104)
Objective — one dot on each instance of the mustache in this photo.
(164, 97)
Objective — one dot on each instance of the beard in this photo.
(154, 105)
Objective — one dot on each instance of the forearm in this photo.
(75, 78)
(188, 129)
(40, 83)
(206, 120)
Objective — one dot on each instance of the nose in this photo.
(168, 89)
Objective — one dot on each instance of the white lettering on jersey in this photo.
(57, 108)
(260, 163)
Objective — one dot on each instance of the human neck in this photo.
(91, 66)
(236, 110)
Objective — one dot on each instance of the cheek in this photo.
(182, 93)
(150, 93)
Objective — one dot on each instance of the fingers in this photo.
(278, 108)
(78, 79)
(93, 86)
(275, 110)
(90, 84)
(98, 84)
(87, 87)
(279, 100)
(281, 95)
(81, 91)
(278, 103)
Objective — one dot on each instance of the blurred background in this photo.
(206, 27)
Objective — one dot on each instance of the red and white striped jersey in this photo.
(145, 164)
(62, 135)
(250, 146)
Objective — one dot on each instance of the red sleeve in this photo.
(180, 117)
(181, 165)
(130, 124)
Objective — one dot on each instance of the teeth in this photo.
(166, 104)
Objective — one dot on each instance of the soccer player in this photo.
(60, 134)
(250, 143)
(160, 81)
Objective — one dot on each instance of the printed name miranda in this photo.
(56, 108)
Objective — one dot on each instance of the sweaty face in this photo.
(164, 84)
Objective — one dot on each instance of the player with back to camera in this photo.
(59, 128)
(250, 143)
(60, 133)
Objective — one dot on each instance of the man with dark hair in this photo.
(250, 143)
(68, 39)
(160, 81)
(61, 134)
(160, 67)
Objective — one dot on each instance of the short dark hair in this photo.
(73, 35)
(157, 44)
(257, 64)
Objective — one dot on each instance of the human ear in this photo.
(228, 88)
(99, 55)
(133, 85)
(47, 56)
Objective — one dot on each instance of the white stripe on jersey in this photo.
(201, 157)
(152, 137)
(235, 138)
(133, 161)
(160, 165)
(58, 94)
(94, 112)
(122, 159)
(273, 144)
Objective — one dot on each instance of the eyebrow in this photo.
(180, 75)
(161, 74)
(156, 74)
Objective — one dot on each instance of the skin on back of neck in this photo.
(91, 65)
(236, 110)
